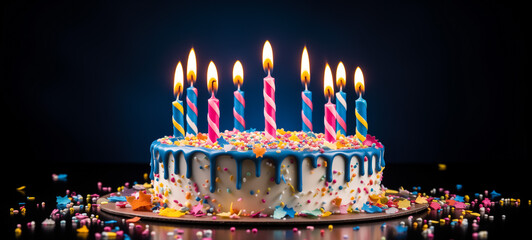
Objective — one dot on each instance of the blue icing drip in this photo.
(277, 157)
(176, 162)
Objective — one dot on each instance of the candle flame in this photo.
(328, 87)
(359, 81)
(305, 67)
(212, 78)
(191, 67)
(238, 73)
(340, 75)
(178, 79)
(267, 56)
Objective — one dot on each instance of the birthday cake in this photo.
(266, 173)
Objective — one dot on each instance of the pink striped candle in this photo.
(213, 118)
(270, 126)
(213, 115)
(329, 119)
(330, 122)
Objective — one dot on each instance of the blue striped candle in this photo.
(361, 119)
(360, 107)
(238, 110)
(341, 110)
(192, 111)
(306, 112)
(177, 119)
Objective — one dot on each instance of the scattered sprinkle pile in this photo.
(447, 212)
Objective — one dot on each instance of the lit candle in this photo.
(239, 103)
(213, 117)
(306, 95)
(341, 104)
(330, 109)
(361, 107)
(177, 105)
(270, 125)
(192, 95)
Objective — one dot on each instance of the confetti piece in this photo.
(392, 210)
(117, 199)
(371, 209)
(259, 150)
(133, 220)
(143, 203)
(170, 212)
(403, 203)
(62, 201)
(197, 210)
(279, 213)
(442, 167)
(421, 200)
(435, 205)
(82, 229)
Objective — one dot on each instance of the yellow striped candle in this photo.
(361, 107)
(177, 105)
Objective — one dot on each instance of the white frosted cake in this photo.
(246, 173)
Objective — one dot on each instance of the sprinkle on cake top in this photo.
(289, 140)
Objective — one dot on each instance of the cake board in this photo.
(111, 208)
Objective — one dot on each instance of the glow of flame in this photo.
(359, 81)
(178, 79)
(328, 87)
(212, 78)
(340, 75)
(191, 67)
(267, 56)
(305, 67)
(238, 73)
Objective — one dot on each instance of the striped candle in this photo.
(306, 95)
(330, 122)
(329, 118)
(239, 102)
(177, 105)
(192, 110)
(177, 119)
(270, 125)
(361, 107)
(341, 103)
(341, 111)
(361, 119)
(238, 110)
(213, 117)
(306, 112)
(192, 95)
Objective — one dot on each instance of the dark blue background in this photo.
(445, 82)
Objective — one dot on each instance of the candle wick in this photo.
(306, 89)
(238, 87)
(269, 72)
(340, 88)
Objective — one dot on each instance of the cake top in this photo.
(289, 140)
